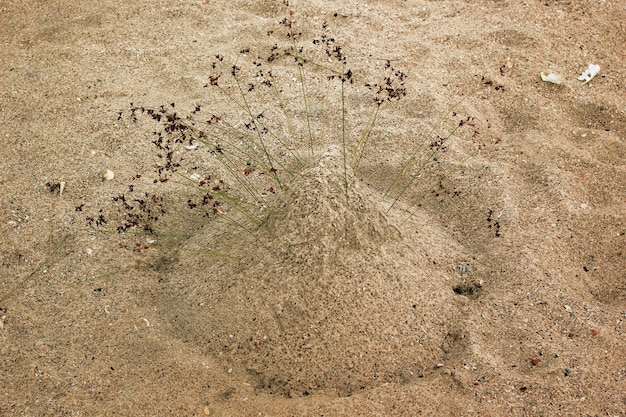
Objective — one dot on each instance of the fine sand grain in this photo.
(504, 293)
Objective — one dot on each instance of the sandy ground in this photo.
(503, 294)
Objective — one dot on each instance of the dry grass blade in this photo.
(39, 267)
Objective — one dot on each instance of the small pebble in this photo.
(108, 175)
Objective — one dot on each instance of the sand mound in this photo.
(330, 297)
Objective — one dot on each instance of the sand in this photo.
(493, 285)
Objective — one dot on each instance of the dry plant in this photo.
(272, 180)
(278, 112)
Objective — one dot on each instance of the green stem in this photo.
(413, 177)
(32, 274)
(363, 140)
(343, 140)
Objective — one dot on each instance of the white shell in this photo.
(589, 73)
(552, 78)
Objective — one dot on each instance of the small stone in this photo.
(108, 175)
(567, 308)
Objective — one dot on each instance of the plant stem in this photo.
(32, 274)
(363, 140)
(299, 63)
(343, 140)
(266, 152)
